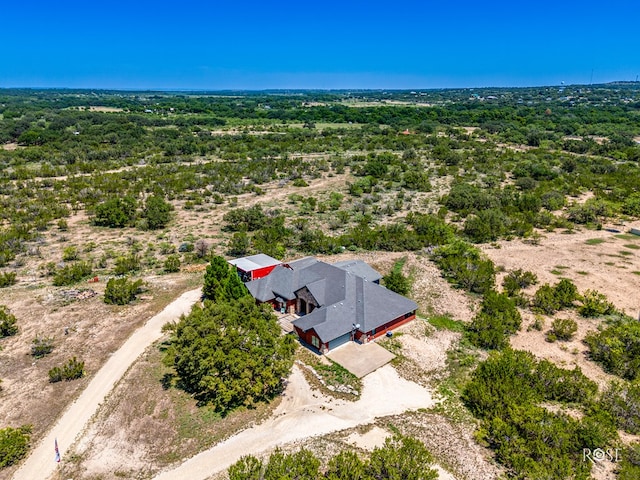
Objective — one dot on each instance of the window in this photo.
(315, 341)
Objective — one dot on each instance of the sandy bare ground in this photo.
(611, 267)
(305, 413)
(9, 146)
(105, 109)
(608, 267)
(40, 463)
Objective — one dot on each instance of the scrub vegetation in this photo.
(160, 185)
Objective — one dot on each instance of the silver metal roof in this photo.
(254, 262)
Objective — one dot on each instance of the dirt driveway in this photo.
(40, 463)
(305, 413)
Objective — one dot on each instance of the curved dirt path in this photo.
(40, 464)
(304, 413)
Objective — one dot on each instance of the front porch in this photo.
(285, 321)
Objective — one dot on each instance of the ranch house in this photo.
(336, 302)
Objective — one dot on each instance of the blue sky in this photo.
(329, 44)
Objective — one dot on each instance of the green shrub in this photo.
(589, 212)
(487, 332)
(486, 225)
(41, 346)
(239, 245)
(617, 347)
(172, 264)
(498, 381)
(630, 463)
(517, 280)
(121, 291)
(71, 370)
(167, 248)
(595, 304)
(564, 328)
(532, 442)
(156, 212)
(55, 375)
(70, 253)
(544, 300)
(115, 212)
(127, 264)
(622, 401)
(8, 322)
(549, 300)
(397, 282)
(245, 219)
(563, 385)
(498, 318)
(71, 274)
(538, 324)
(464, 265)
(566, 293)
(63, 226)
(7, 279)
(399, 458)
(431, 229)
(14, 444)
(299, 182)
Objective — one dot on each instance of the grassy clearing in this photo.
(595, 241)
(632, 246)
(627, 236)
(444, 322)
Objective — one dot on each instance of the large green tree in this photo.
(115, 212)
(157, 212)
(230, 354)
(14, 443)
(221, 282)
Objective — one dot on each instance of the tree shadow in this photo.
(167, 380)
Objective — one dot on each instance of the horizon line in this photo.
(314, 89)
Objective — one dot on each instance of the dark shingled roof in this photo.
(359, 268)
(344, 297)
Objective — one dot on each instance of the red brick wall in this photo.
(307, 337)
(386, 327)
